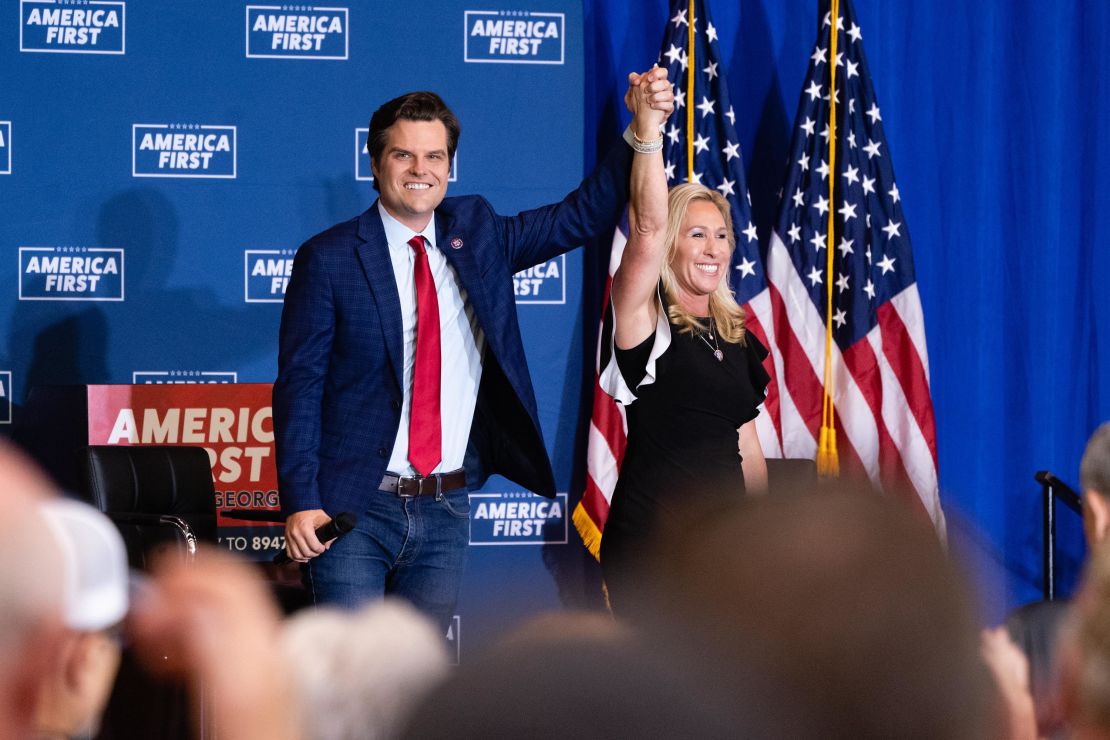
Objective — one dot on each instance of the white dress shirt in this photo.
(461, 344)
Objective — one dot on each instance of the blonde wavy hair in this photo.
(726, 314)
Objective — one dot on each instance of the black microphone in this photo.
(343, 523)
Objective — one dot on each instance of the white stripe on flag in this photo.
(601, 463)
(855, 415)
(908, 305)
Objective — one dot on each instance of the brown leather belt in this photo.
(429, 485)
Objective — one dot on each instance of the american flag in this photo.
(884, 414)
(703, 123)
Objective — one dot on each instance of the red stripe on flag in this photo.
(801, 382)
(595, 504)
(606, 416)
(900, 352)
(863, 365)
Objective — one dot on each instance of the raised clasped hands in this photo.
(650, 99)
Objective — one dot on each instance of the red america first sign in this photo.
(232, 421)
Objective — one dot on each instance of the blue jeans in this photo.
(412, 547)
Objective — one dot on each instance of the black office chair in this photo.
(160, 497)
(157, 495)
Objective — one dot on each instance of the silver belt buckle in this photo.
(402, 479)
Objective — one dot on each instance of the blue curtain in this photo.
(997, 115)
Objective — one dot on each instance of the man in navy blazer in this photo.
(374, 416)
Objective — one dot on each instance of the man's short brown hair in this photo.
(414, 106)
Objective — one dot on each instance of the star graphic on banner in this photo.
(825, 134)
(795, 233)
(731, 116)
(696, 179)
(701, 143)
(680, 19)
(818, 56)
(851, 106)
(799, 198)
(673, 54)
(868, 252)
(679, 98)
(711, 70)
(868, 184)
(751, 233)
(894, 193)
(891, 229)
(851, 175)
(706, 106)
(668, 169)
(852, 69)
(814, 90)
(804, 162)
(854, 32)
(726, 187)
(842, 282)
(887, 263)
(824, 170)
(828, 20)
(848, 211)
(845, 247)
(683, 60)
(852, 139)
(711, 32)
(873, 114)
(822, 205)
(872, 148)
(818, 241)
(840, 59)
(746, 268)
(673, 134)
(814, 276)
(731, 150)
(869, 289)
(808, 125)
(840, 317)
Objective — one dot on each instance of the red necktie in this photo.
(424, 424)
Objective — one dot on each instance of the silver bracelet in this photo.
(646, 147)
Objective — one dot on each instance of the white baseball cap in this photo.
(95, 559)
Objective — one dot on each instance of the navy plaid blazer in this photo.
(337, 397)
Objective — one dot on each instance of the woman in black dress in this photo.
(681, 362)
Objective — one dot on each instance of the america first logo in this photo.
(363, 170)
(183, 150)
(70, 274)
(5, 396)
(5, 147)
(514, 37)
(266, 274)
(544, 283)
(180, 377)
(73, 26)
(297, 32)
(517, 518)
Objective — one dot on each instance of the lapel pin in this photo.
(456, 243)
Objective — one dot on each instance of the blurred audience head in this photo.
(31, 592)
(1085, 653)
(95, 602)
(584, 676)
(1094, 479)
(359, 673)
(848, 595)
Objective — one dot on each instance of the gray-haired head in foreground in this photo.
(360, 673)
(1094, 470)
